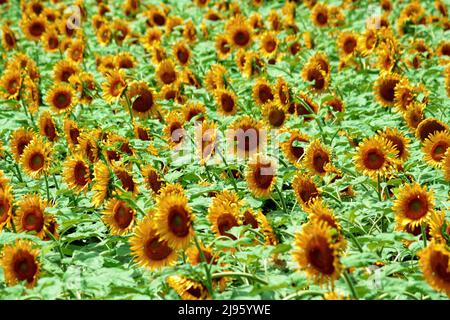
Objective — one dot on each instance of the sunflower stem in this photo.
(230, 174)
(46, 186)
(379, 188)
(207, 270)
(239, 274)
(61, 254)
(301, 294)
(56, 183)
(283, 203)
(424, 234)
(350, 284)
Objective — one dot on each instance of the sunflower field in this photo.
(207, 149)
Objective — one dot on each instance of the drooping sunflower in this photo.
(274, 115)
(214, 78)
(304, 106)
(104, 34)
(194, 256)
(294, 147)
(317, 253)
(77, 173)
(118, 216)
(6, 204)
(399, 141)
(413, 205)
(305, 190)
(435, 147)
(257, 220)
(239, 32)
(166, 72)
(262, 92)
(142, 99)
(403, 95)
(31, 216)
(126, 179)
(47, 126)
(61, 98)
(182, 53)
(125, 60)
(434, 261)
(64, 69)
(114, 86)
(20, 138)
(36, 158)
(429, 127)
(152, 179)
(413, 116)
(171, 92)
(174, 219)
(384, 88)
(76, 51)
(205, 140)
(9, 40)
(261, 175)
(446, 165)
(223, 47)
(101, 183)
(71, 132)
(367, 42)
(375, 157)
(439, 226)
(174, 130)
(147, 247)
(320, 15)
(226, 101)
(282, 92)
(188, 289)
(121, 31)
(10, 84)
(88, 146)
(33, 27)
(318, 213)
(20, 263)
(246, 137)
(317, 157)
(223, 215)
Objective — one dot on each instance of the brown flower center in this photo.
(320, 255)
(36, 161)
(179, 221)
(33, 220)
(417, 207)
(25, 267)
(225, 222)
(241, 38)
(227, 103)
(157, 250)
(374, 159)
(123, 216)
(263, 175)
(144, 102)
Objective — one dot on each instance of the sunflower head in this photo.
(31, 216)
(226, 101)
(261, 175)
(188, 289)
(47, 126)
(114, 86)
(274, 115)
(320, 15)
(262, 92)
(166, 73)
(317, 157)
(399, 141)
(434, 261)
(247, 137)
(142, 99)
(63, 70)
(435, 147)
(182, 53)
(152, 179)
(429, 127)
(294, 147)
(33, 27)
(223, 47)
(239, 32)
(77, 173)
(61, 98)
(6, 204)
(118, 216)
(20, 263)
(223, 214)
(20, 138)
(312, 72)
(305, 190)
(101, 183)
(36, 158)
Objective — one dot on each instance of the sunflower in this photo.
(194, 256)
(435, 147)
(262, 92)
(104, 34)
(214, 78)
(142, 99)
(101, 183)
(88, 146)
(125, 60)
(413, 205)
(166, 73)
(293, 148)
(141, 132)
(403, 95)
(269, 43)
(439, 227)
(413, 116)
(375, 157)
(20, 138)
(121, 31)
(77, 173)
(282, 92)
(9, 40)
(223, 47)
(6, 204)
(47, 126)
(76, 51)
(317, 253)
(261, 176)
(367, 42)
(274, 114)
(305, 190)
(384, 88)
(246, 137)
(312, 72)
(434, 261)
(151, 37)
(257, 220)
(317, 157)
(64, 69)
(182, 53)
(399, 141)
(36, 158)
(50, 40)
(152, 179)
(320, 15)
(33, 27)
(446, 165)
(172, 189)
(174, 130)
(205, 139)
(188, 289)
(24, 63)
(126, 179)
(226, 101)
(72, 133)
(10, 84)
(223, 216)
(239, 32)
(114, 86)
(147, 247)
(118, 216)
(156, 17)
(61, 98)
(318, 213)
(430, 126)
(174, 220)
(304, 106)
(194, 109)
(30, 215)
(20, 263)
(189, 78)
